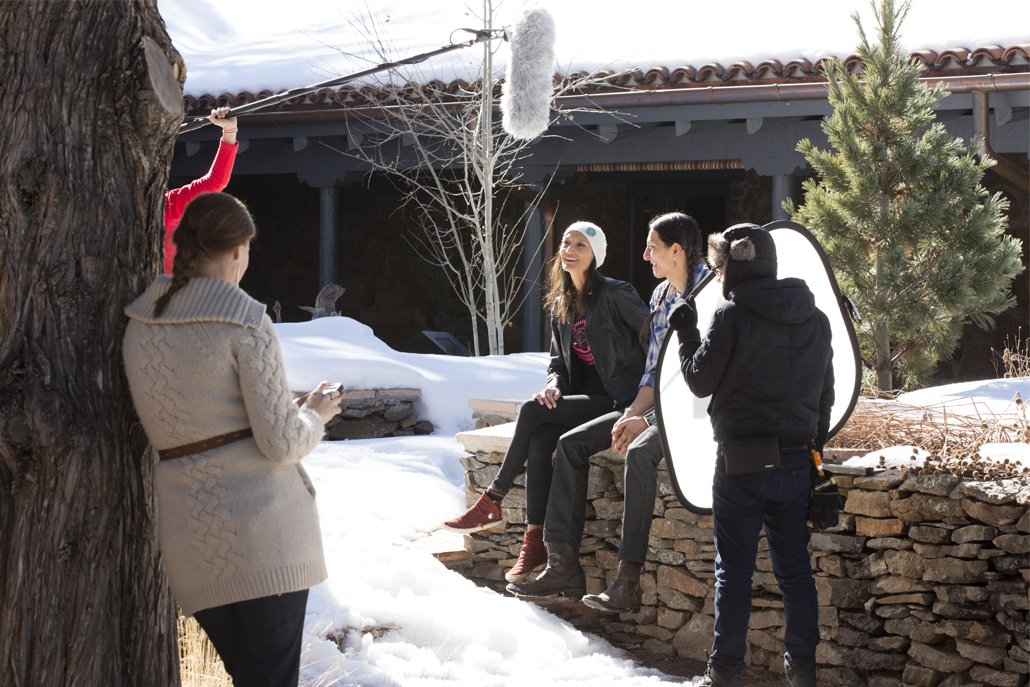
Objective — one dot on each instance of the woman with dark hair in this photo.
(674, 251)
(237, 523)
(596, 361)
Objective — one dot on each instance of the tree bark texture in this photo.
(90, 102)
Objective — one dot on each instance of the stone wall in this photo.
(371, 414)
(924, 581)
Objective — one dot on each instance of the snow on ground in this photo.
(236, 45)
(374, 498)
(985, 399)
(401, 617)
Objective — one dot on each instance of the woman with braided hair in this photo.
(237, 522)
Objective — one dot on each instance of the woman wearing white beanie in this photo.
(597, 358)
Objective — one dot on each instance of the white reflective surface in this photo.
(684, 417)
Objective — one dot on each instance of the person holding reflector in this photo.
(766, 361)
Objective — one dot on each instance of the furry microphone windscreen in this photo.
(529, 83)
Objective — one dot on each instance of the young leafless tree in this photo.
(457, 169)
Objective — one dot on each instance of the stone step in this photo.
(488, 439)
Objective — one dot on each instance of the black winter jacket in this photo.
(767, 362)
(613, 327)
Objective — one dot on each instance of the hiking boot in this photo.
(531, 557)
(798, 677)
(718, 676)
(561, 577)
(484, 514)
(624, 592)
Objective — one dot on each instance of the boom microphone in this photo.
(529, 83)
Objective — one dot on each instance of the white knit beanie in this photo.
(595, 237)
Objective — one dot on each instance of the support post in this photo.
(783, 188)
(532, 289)
(327, 222)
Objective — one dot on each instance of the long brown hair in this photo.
(213, 224)
(566, 303)
(675, 227)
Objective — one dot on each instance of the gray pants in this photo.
(641, 477)
(566, 510)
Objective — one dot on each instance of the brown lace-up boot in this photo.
(623, 593)
(561, 577)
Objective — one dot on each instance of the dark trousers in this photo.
(537, 431)
(741, 505)
(568, 500)
(641, 487)
(259, 640)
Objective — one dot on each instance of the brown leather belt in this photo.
(205, 445)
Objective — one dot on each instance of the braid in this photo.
(693, 259)
(185, 260)
(645, 331)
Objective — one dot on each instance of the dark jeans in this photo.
(641, 487)
(259, 640)
(537, 431)
(741, 504)
(568, 499)
(567, 511)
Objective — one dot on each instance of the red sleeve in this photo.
(177, 199)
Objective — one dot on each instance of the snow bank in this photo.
(341, 349)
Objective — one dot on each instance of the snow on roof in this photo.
(242, 45)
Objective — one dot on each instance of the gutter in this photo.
(785, 92)
(982, 131)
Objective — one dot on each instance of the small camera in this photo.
(334, 388)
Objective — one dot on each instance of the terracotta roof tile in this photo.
(799, 68)
(711, 72)
(1017, 54)
(770, 69)
(739, 70)
(657, 76)
(927, 57)
(992, 54)
(958, 56)
(684, 74)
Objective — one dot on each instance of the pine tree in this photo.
(914, 238)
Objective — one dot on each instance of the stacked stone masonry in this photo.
(924, 581)
(375, 413)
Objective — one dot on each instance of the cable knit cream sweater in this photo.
(238, 522)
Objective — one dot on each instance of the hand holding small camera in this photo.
(325, 400)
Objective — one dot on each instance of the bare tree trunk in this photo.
(494, 330)
(882, 336)
(90, 101)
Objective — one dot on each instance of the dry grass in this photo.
(953, 440)
(199, 664)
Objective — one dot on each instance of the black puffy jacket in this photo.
(613, 325)
(767, 362)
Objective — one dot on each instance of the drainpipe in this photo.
(982, 130)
